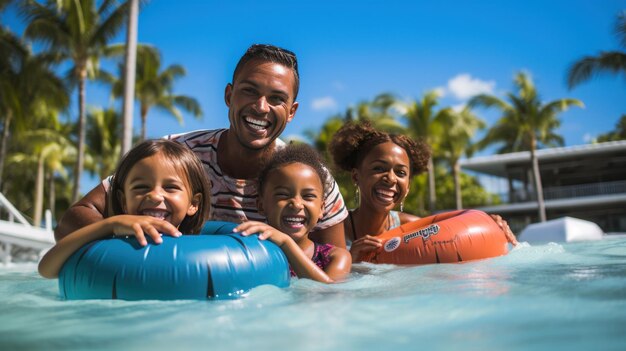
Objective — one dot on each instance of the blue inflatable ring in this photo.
(215, 264)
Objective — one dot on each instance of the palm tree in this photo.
(526, 124)
(321, 139)
(104, 140)
(378, 112)
(619, 133)
(456, 142)
(423, 124)
(77, 31)
(51, 152)
(27, 87)
(605, 61)
(153, 87)
(42, 152)
(130, 63)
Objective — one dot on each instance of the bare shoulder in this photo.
(339, 253)
(407, 217)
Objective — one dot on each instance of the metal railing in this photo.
(566, 192)
(17, 235)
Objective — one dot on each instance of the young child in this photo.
(291, 196)
(159, 187)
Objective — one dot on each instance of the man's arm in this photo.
(88, 210)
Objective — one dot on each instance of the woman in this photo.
(381, 166)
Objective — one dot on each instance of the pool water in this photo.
(541, 297)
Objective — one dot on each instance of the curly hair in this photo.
(353, 142)
(183, 160)
(294, 153)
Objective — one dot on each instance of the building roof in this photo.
(496, 164)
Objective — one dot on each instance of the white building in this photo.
(585, 181)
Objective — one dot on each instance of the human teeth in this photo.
(257, 124)
(155, 214)
(385, 192)
(294, 219)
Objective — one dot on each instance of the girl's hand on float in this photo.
(363, 245)
(265, 231)
(510, 237)
(140, 226)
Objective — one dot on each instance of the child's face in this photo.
(292, 199)
(383, 176)
(154, 188)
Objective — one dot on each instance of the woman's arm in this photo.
(364, 245)
(52, 262)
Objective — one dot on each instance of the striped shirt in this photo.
(235, 200)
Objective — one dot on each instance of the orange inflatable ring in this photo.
(449, 237)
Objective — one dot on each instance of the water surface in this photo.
(544, 297)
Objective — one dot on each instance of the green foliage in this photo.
(526, 123)
(154, 87)
(473, 193)
(104, 141)
(613, 62)
(618, 134)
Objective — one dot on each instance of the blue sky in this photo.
(350, 51)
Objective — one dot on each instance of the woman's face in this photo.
(383, 177)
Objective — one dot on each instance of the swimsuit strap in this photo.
(394, 220)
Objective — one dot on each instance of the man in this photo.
(261, 101)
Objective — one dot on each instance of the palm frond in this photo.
(167, 105)
(110, 26)
(485, 100)
(620, 28)
(589, 66)
(188, 104)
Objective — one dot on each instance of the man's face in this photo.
(261, 103)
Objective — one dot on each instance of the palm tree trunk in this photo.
(537, 179)
(432, 197)
(130, 68)
(456, 171)
(78, 169)
(3, 144)
(144, 117)
(38, 208)
(52, 193)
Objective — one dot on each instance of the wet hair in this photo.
(274, 54)
(353, 142)
(294, 153)
(183, 160)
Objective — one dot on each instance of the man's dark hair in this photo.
(271, 53)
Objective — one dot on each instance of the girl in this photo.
(381, 166)
(158, 187)
(291, 196)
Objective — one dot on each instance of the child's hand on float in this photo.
(140, 226)
(265, 231)
(363, 245)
